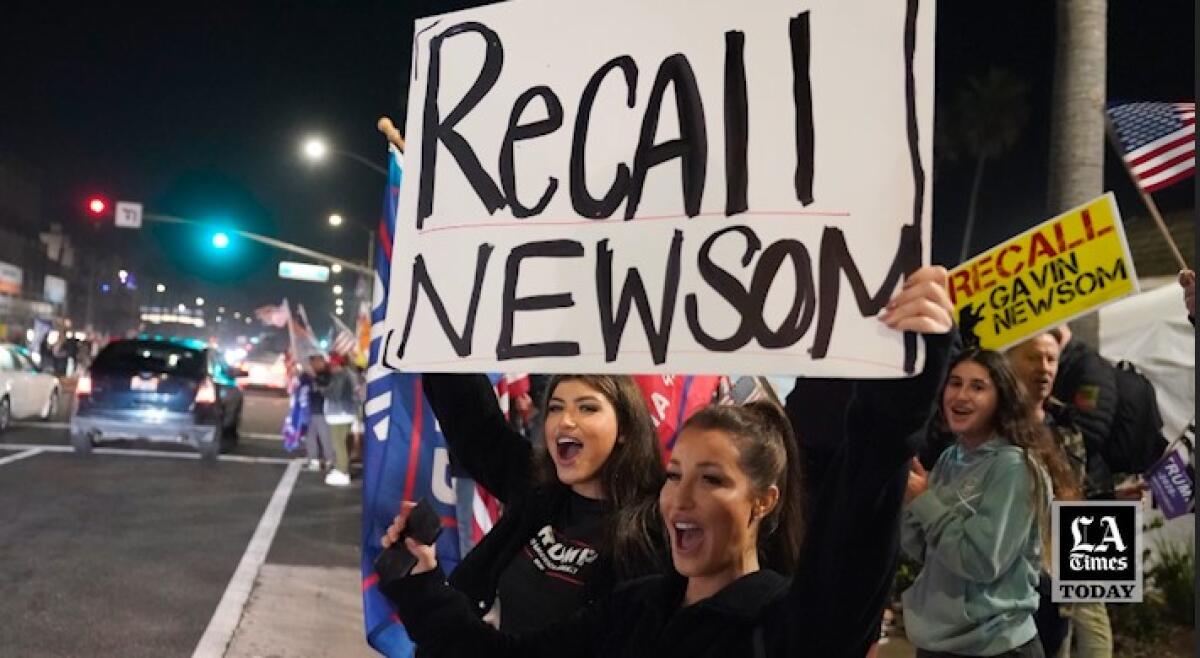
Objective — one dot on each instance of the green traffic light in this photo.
(220, 240)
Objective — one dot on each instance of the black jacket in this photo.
(829, 608)
(1089, 383)
(497, 457)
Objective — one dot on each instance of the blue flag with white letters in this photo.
(404, 454)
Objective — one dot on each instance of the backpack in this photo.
(1135, 441)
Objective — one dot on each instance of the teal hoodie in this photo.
(975, 531)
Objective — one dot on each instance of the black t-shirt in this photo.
(547, 579)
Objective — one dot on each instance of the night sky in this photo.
(198, 109)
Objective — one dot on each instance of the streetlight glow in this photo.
(338, 310)
(315, 149)
(122, 275)
(335, 268)
(335, 220)
(160, 288)
(220, 240)
(337, 289)
(199, 301)
(338, 301)
(182, 308)
(237, 315)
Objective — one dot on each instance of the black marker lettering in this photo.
(633, 291)
(512, 304)
(691, 147)
(736, 123)
(581, 199)
(517, 132)
(421, 281)
(435, 129)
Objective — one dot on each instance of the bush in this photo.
(1144, 622)
(1174, 575)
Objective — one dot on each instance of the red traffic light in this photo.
(97, 205)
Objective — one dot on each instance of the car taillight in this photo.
(207, 393)
(83, 386)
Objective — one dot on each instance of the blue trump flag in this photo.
(404, 454)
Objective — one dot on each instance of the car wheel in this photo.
(51, 407)
(82, 442)
(5, 414)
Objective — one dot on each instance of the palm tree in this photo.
(985, 119)
(1077, 105)
(1077, 118)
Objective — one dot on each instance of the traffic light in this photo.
(98, 206)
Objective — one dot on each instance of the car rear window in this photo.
(137, 356)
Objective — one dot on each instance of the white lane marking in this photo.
(261, 436)
(20, 455)
(41, 425)
(136, 452)
(255, 436)
(229, 611)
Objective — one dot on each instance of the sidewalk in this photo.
(302, 612)
(307, 597)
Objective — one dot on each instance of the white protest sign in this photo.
(677, 186)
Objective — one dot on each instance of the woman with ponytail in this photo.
(980, 520)
(765, 563)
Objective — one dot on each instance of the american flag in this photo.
(1157, 141)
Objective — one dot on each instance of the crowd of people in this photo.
(326, 414)
(775, 531)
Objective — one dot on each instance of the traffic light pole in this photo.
(271, 242)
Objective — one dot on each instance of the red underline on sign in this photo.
(646, 218)
(417, 366)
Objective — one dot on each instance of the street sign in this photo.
(303, 271)
(129, 215)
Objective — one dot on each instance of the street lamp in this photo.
(337, 289)
(338, 302)
(315, 149)
(160, 288)
(336, 220)
(335, 268)
(338, 310)
(199, 301)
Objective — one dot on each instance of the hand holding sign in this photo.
(923, 305)
(1187, 280)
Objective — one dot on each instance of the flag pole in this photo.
(1146, 198)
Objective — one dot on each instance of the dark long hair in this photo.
(630, 478)
(1015, 422)
(769, 456)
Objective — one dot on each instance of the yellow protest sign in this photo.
(1063, 268)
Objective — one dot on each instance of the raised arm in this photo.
(850, 555)
(480, 439)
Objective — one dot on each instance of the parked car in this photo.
(160, 389)
(25, 391)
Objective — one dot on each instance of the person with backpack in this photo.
(1088, 383)
(1081, 630)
